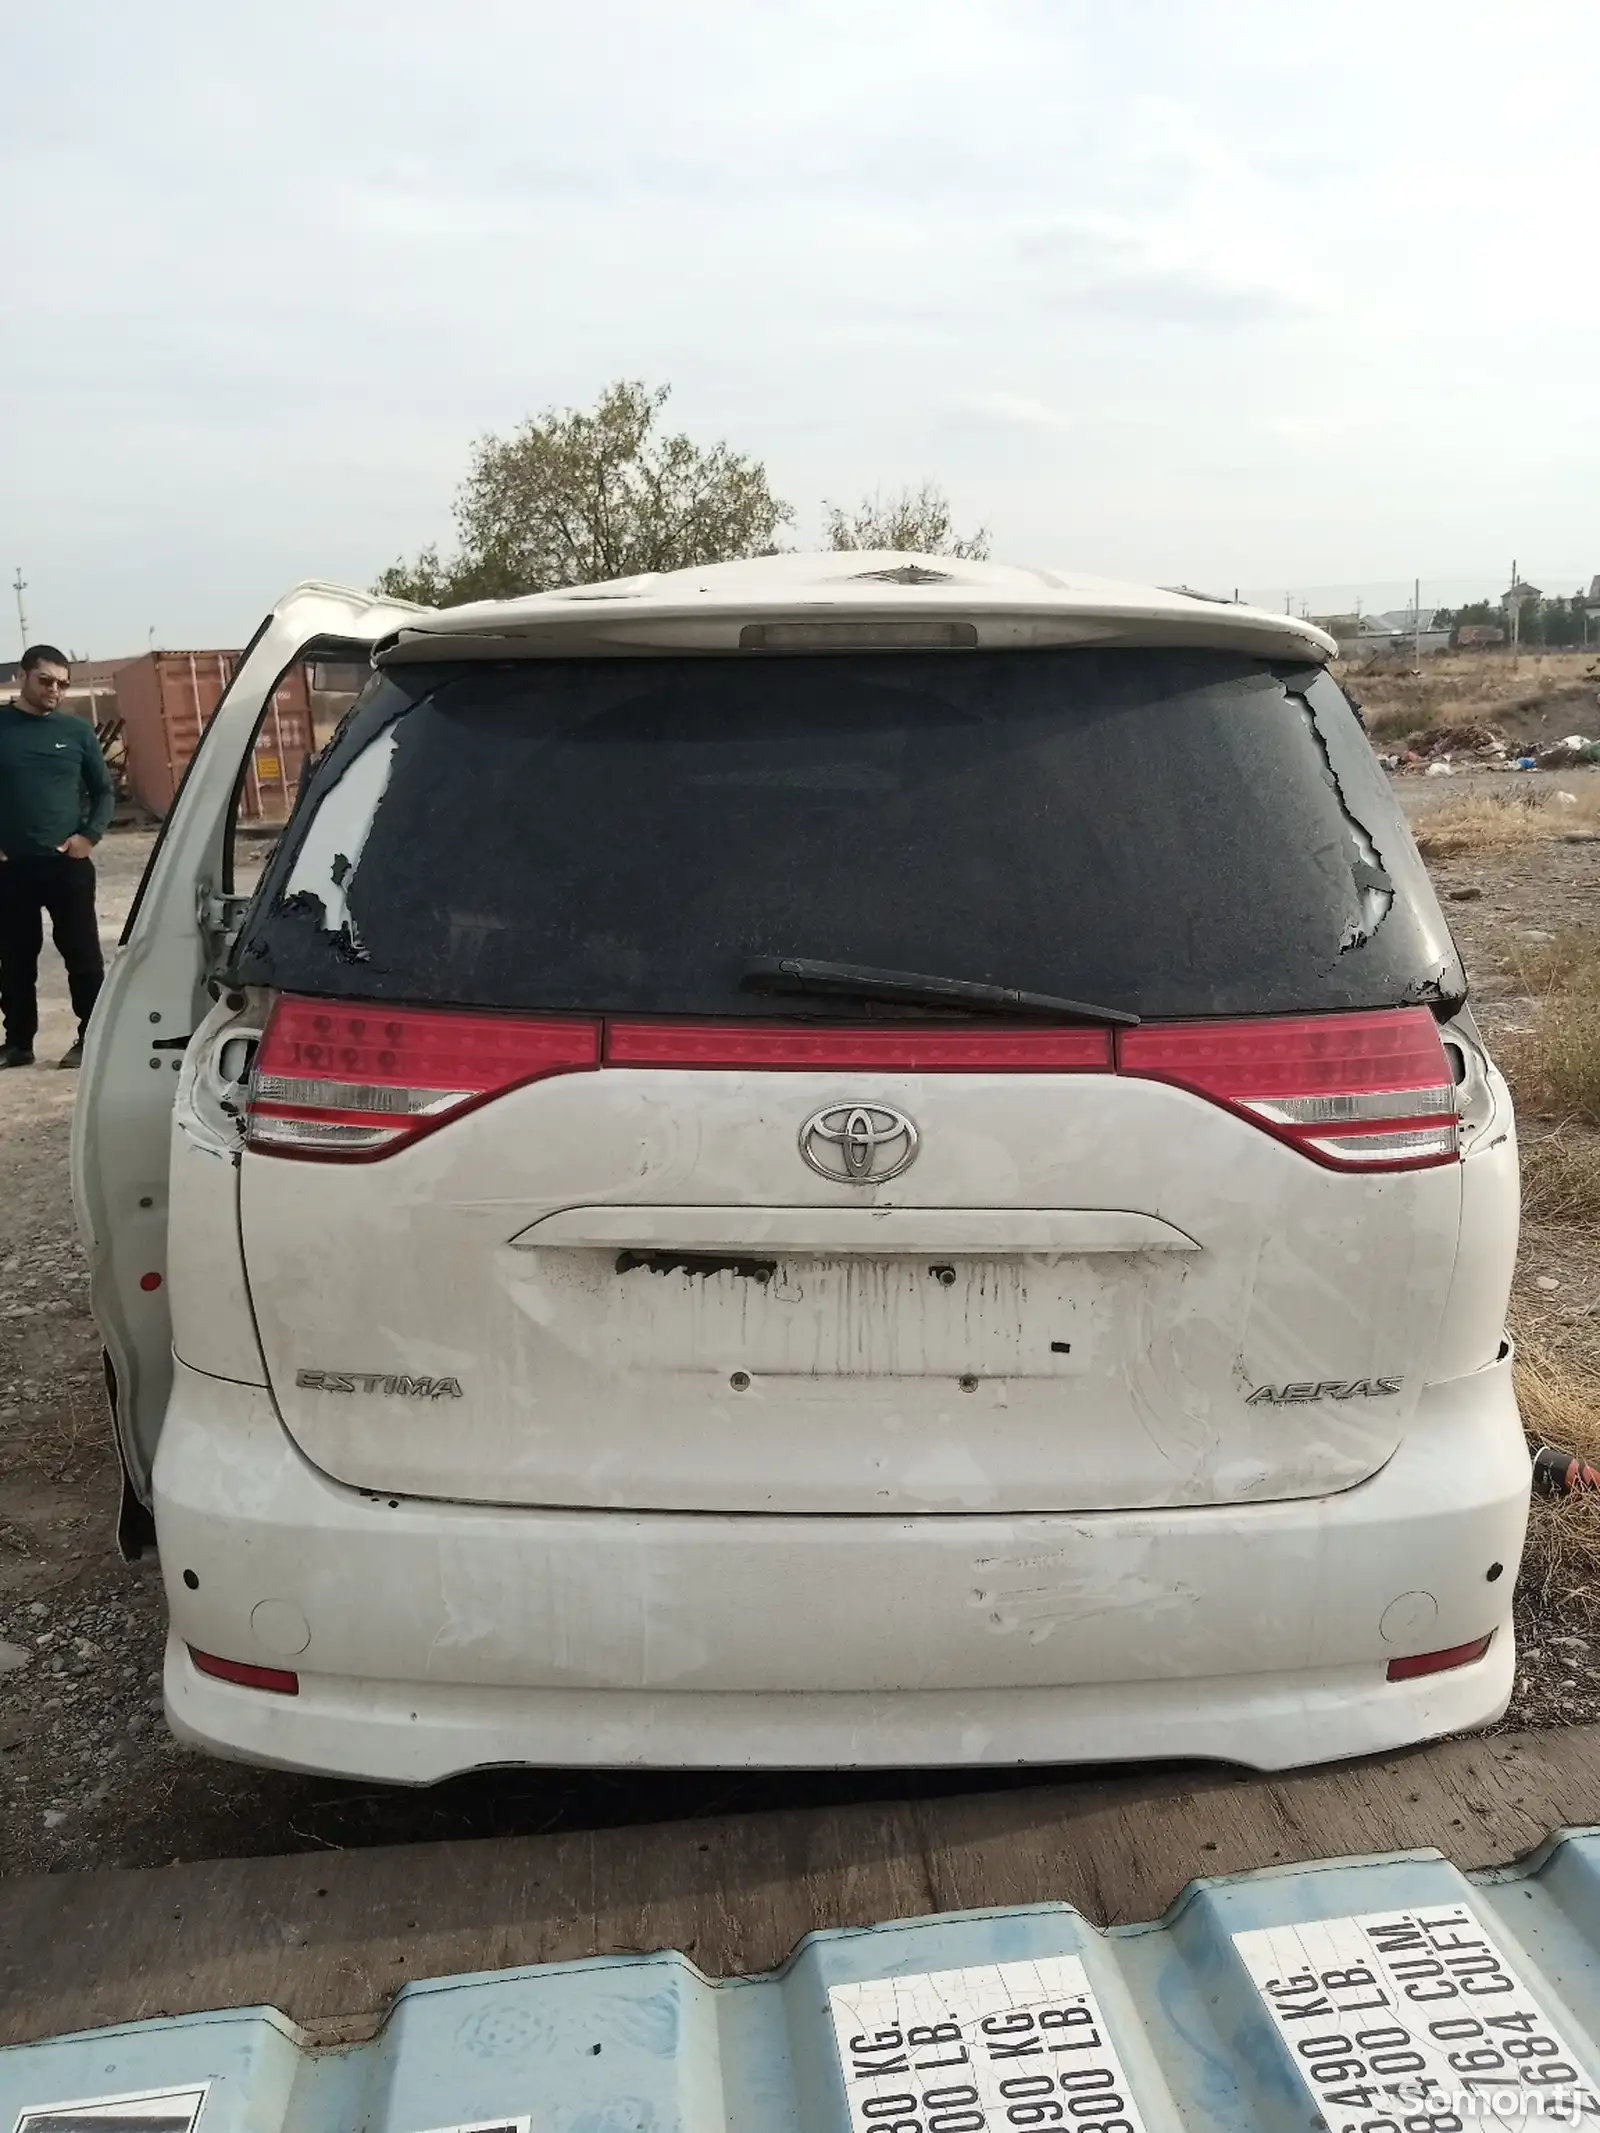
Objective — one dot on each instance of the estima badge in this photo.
(859, 1144)
(378, 1381)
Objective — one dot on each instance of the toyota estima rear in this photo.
(836, 1161)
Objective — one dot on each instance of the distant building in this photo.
(1402, 630)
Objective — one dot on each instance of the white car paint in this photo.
(583, 1387)
(154, 996)
(573, 1535)
(440, 1637)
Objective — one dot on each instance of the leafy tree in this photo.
(914, 521)
(573, 497)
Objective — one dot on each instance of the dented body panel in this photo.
(1031, 1379)
(1255, 1633)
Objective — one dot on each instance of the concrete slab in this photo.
(328, 1938)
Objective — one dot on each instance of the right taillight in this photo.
(334, 1080)
(1353, 1091)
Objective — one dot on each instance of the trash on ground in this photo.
(1561, 1474)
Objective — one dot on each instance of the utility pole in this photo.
(1416, 620)
(1516, 608)
(19, 586)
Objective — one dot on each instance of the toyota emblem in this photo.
(859, 1144)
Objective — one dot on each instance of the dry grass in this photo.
(1468, 689)
(1561, 1179)
(1554, 1070)
(1495, 822)
(1568, 964)
(1561, 1407)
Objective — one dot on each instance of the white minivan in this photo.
(837, 1160)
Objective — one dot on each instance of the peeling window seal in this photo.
(1374, 886)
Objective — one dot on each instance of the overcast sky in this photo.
(1293, 296)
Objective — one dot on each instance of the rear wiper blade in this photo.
(799, 974)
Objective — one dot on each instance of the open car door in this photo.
(155, 994)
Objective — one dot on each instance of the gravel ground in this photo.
(89, 1775)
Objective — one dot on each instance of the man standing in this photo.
(55, 802)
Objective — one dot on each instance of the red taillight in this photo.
(1352, 1091)
(277, 1679)
(908, 1050)
(1355, 1091)
(336, 1080)
(1439, 1662)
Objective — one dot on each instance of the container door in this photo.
(154, 996)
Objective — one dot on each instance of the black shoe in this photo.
(74, 1058)
(16, 1055)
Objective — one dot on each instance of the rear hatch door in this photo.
(549, 1201)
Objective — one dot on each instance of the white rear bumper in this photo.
(444, 1637)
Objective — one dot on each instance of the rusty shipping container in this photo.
(166, 700)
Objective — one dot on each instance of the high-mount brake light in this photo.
(1362, 1091)
(336, 1080)
(917, 634)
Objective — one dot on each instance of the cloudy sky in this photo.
(1293, 296)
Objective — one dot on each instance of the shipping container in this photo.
(166, 700)
(1358, 1996)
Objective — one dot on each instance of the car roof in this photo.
(705, 610)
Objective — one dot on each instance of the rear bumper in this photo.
(435, 1638)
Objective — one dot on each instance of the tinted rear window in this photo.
(1166, 832)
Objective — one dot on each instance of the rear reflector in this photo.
(277, 1679)
(332, 1080)
(1355, 1092)
(1439, 1662)
(913, 1050)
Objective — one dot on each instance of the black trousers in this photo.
(65, 888)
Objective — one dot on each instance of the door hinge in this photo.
(219, 917)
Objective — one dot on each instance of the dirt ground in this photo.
(1530, 698)
(89, 1775)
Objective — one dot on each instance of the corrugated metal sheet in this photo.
(166, 700)
(1252, 1999)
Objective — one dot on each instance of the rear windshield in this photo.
(1165, 832)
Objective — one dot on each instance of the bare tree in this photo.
(573, 497)
(913, 521)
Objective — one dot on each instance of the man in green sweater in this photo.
(55, 802)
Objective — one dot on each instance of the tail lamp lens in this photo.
(1355, 1092)
(1362, 1091)
(335, 1080)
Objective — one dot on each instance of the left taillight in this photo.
(334, 1081)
